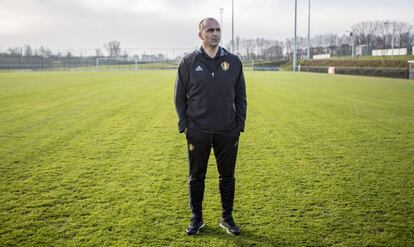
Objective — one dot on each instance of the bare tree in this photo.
(238, 44)
(364, 32)
(402, 32)
(379, 34)
(15, 51)
(27, 51)
(98, 52)
(44, 51)
(343, 39)
(376, 34)
(114, 48)
(288, 45)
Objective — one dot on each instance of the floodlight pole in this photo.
(393, 34)
(353, 44)
(392, 41)
(295, 40)
(309, 7)
(351, 35)
(385, 41)
(232, 26)
(221, 25)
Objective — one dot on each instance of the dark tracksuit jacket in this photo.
(210, 93)
(210, 99)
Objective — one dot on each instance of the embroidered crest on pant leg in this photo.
(190, 147)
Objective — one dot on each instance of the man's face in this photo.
(211, 33)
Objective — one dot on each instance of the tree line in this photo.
(374, 34)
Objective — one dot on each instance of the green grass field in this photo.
(95, 159)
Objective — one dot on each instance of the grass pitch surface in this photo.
(95, 159)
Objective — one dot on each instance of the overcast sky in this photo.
(86, 24)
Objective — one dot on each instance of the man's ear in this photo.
(200, 35)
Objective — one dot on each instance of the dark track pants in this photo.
(225, 148)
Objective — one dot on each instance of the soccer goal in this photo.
(248, 64)
(116, 63)
(260, 65)
(124, 63)
(411, 70)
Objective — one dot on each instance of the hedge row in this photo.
(368, 71)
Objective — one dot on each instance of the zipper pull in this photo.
(212, 74)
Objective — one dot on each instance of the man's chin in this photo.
(212, 44)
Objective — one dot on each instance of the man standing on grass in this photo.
(210, 100)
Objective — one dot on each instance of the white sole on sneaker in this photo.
(229, 232)
(198, 230)
(202, 226)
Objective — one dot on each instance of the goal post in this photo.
(108, 63)
(411, 70)
(248, 64)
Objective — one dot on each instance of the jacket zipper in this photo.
(212, 68)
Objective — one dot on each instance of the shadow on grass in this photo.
(246, 238)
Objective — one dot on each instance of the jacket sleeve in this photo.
(240, 100)
(180, 96)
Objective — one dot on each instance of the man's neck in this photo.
(211, 51)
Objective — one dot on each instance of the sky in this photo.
(88, 24)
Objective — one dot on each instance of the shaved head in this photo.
(209, 32)
(203, 22)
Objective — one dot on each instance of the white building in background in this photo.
(321, 56)
(390, 52)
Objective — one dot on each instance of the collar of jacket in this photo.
(220, 53)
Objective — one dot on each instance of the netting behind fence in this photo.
(37, 63)
(130, 58)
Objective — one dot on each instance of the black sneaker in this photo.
(230, 226)
(195, 225)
